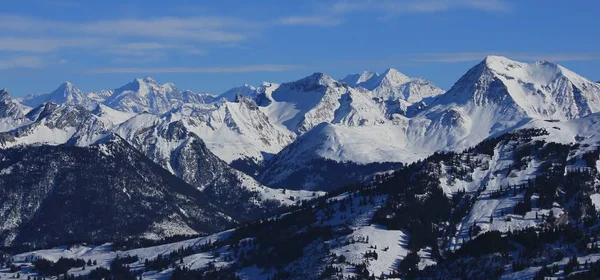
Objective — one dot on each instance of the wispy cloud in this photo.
(41, 45)
(140, 49)
(21, 62)
(124, 39)
(211, 29)
(207, 29)
(310, 20)
(391, 8)
(224, 69)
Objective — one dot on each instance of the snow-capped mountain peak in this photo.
(10, 109)
(315, 80)
(389, 78)
(357, 78)
(394, 77)
(145, 95)
(542, 89)
(66, 93)
(149, 80)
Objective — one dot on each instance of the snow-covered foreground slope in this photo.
(467, 213)
(346, 236)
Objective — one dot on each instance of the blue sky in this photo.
(211, 46)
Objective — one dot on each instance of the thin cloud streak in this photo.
(394, 8)
(138, 37)
(310, 21)
(42, 45)
(31, 62)
(226, 69)
(207, 29)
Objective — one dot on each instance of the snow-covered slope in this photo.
(236, 130)
(267, 246)
(172, 144)
(53, 124)
(112, 115)
(332, 155)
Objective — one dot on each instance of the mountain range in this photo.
(415, 175)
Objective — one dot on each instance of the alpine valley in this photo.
(371, 176)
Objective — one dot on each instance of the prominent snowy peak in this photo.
(146, 95)
(66, 93)
(499, 95)
(354, 80)
(143, 95)
(543, 90)
(67, 88)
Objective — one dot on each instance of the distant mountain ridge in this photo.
(363, 119)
